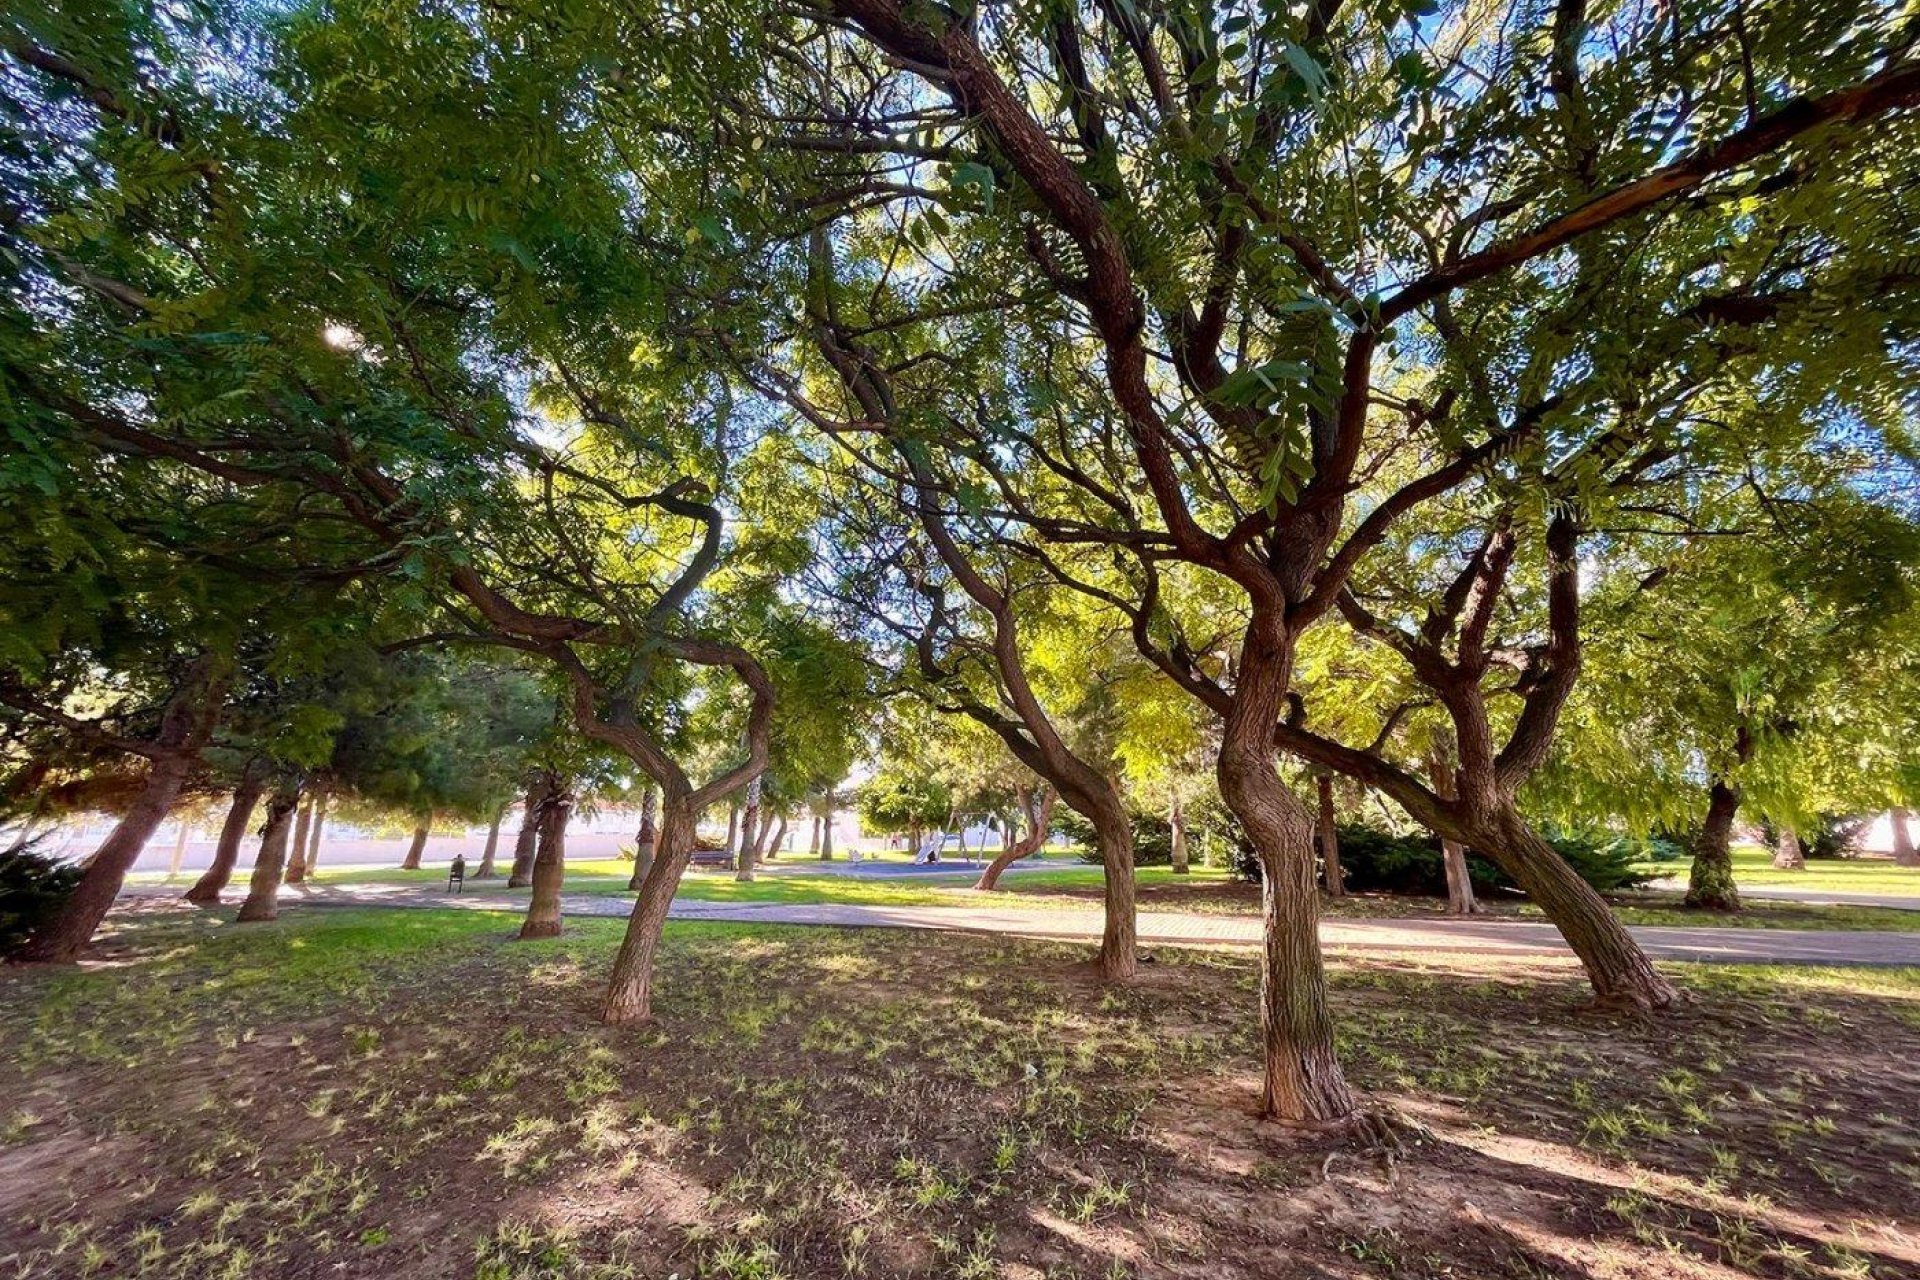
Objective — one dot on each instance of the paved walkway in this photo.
(1426, 934)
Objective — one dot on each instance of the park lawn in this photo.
(410, 1093)
(1753, 867)
(1204, 890)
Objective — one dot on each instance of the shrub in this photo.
(32, 887)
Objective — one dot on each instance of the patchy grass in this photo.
(374, 1094)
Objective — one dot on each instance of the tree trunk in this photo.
(645, 843)
(779, 837)
(1039, 814)
(1177, 828)
(1904, 854)
(1329, 838)
(263, 891)
(549, 866)
(1460, 896)
(749, 838)
(1302, 1080)
(1453, 854)
(179, 848)
(1787, 853)
(489, 854)
(813, 836)
(296, 872)
(826, 836)
(733, 835)
(1617, 968)
(60, 939)
(630, 988)
(525, 844)
(1710, 885)
(1113, 835)
(226, 854)
(319, 825)
(419, 846)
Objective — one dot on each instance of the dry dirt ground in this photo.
(410, 1093)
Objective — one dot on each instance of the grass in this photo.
(359, 1093)
(1068, 884)
(1753, 868)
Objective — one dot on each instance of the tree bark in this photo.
(526, 843)
(826, 835)
(813, 836)
(1301, 1080)
(1177, 829)
(630, 987)
(646, 842)
(1904, 854)
(1113, 836)
(749, 837)
(296, 872)
(1038, 808)
(1453, 855)
(489, 854)
(1788, 855)
(419, 846)
(779, 837)
(1619, 971)
(1710, 885)
(1329, 838)
(61, 939)
(226, 854)
(733, 835)
(263, 891)
(549, 866)
(319, 825)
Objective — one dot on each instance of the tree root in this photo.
(1377, 1133)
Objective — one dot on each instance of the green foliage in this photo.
(895, 802)
(32, 887)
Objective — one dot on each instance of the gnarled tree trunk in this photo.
(61, 939)
(630, 988)
(1037, 805)
(263, 891)
(1710, 885)
(1302, 1080)
(1329, 838)
(646, 842)
(1617, 968)
(1119, 959)
(1788, 855)
(226, 854)
(549, 866)
(418, 848)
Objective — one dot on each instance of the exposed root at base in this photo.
(1377, 1133)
